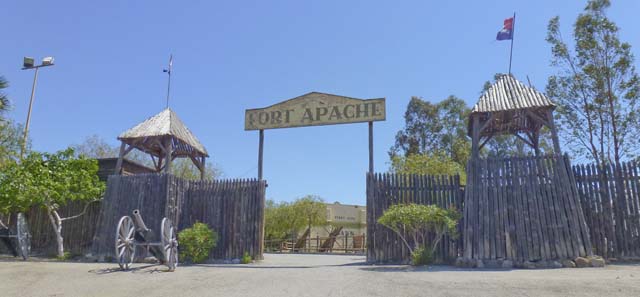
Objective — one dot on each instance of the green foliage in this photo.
(280, 219)
(196, 242)
(312, 209)
(414, 221)
(10, 142)
(65, 256)
(286, 218)
(439, 127)
(49, 180)
(246, 258)
(434, 163)
(423, 255)
(597, 88)
(4, 101)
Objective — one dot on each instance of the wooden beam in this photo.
(123, 147)
(260, 151)
(554, 133)
(370, 147)
(475, 136)
(535, 139)
(203, 164)
(492, 116)
(523, 139)
(485, 141)
(153, 159)
(538, 118)
(159, 165)
(169, 155)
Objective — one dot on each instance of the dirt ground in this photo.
(309, 275)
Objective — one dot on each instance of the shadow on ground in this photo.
(134, 269)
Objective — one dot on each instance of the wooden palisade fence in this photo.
(233, 208)
(523, 209)
(77, 233)
(384, 190)
(610, 198)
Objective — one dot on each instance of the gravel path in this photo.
(309, 275)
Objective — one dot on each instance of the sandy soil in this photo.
(309, 275)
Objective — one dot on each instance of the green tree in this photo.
(4, 100)
(276, 220)
(284, 219)
(312, 209)
(51, 181)
(414, 221)
(10, 142)
(434, 163)
(433, 127)
(596, 87)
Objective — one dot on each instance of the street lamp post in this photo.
(28, 64)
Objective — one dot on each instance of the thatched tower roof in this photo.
(147, 135)
(510, 107)
(507, 93)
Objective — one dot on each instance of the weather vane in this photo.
(168, 71)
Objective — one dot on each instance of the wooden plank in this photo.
(524, 234)
(613, 217)
(635, 201)
(491, 209)
(585, 237)
(536, 181)
(635, 181)
(533, 210)
(595, 194)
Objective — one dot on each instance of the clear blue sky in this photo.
(248, 54)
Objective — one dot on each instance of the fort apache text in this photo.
(315, 109)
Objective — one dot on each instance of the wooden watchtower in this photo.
(524, 209)
(511, 107)
(164, 137)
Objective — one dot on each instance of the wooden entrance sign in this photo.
(315, 109)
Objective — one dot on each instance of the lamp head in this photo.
(47, 61)
(27, 62)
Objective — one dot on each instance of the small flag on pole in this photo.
(507, 30)
(170, 65)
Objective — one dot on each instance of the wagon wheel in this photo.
(23, 236)
(169, 244)
(125, 248)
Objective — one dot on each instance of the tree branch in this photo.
(401, 237)
(86, 206)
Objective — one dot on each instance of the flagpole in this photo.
(169, 81)
(513, 33)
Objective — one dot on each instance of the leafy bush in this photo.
(65, 256)
(422, 256)
(246, 259)
(412, 223)
(196, 242)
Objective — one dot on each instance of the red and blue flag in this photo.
(507, 30)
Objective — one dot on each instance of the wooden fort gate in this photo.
(316, 109)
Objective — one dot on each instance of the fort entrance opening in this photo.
(317, 109)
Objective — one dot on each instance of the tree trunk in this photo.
(56, 223)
